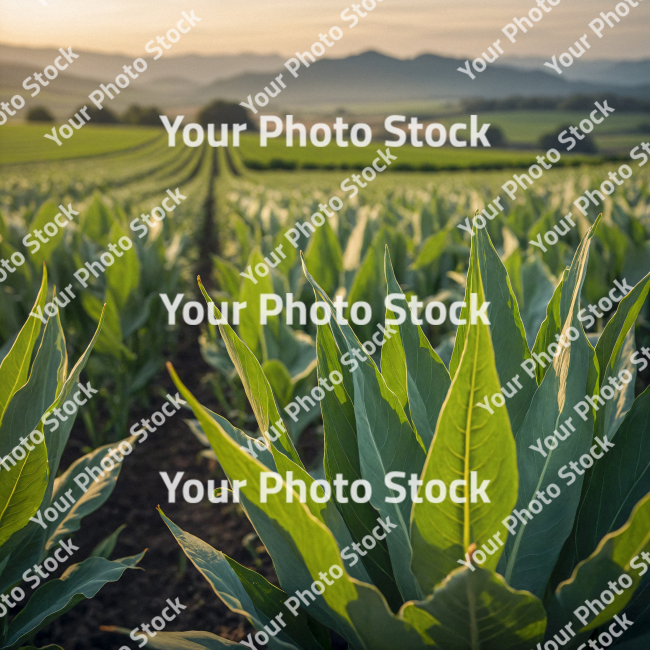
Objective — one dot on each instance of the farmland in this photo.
(231, 217)
(26, 143)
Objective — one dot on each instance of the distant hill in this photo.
(603, 71)
(96, 65)
(187, 82)
(375, 77)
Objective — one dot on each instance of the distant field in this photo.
(525, 127)
(25, 142)
(277, 156)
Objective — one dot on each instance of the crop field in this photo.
(514, 316)
(277, 156)
(25, 143)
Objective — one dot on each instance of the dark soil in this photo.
(141, 594)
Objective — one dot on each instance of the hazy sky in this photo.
(399, 27)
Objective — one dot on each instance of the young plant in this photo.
(38, 511)
(468, 573)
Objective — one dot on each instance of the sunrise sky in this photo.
(398, 27)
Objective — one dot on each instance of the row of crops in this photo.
(407, 406)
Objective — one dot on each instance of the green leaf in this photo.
(506, 328)
(279, 380)
(302, 547)
(537, 285)
(21, 491)
(107, 545)
(617, 481)
(45, 214)
(27, 546)
(227, 276)
(324, 258)
(342, 458)
(181, 640)
(15, 366)
(476, 610)
(251, 329)
(412, 369)
(467, 439)
(86, 502)
(23, 481)
(611, 351)
(432, 248)
(550, 328)
(243, 591)
(123, 276)
(257, 388)
(532, 551)
(387, 443)
(613, 557)
(110, 338)
(368, 287)
(56, 442)
(56, 597)
(96, 222)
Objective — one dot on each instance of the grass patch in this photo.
(25, 142)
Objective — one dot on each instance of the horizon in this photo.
(402, 30)
(371, 50)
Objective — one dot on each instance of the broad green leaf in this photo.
(23, 481)
(56, 442)
(110, 340)
(56, 597)
(532, 551)
(324, 258)
(22, 487)
(342, 459)
(387, 443)
(506, 329)
(325, 512)
(228, 276)
(251, 329)
(432, 248)
(294, 348)
(46, 214)
(257, 388)
(611, 339)
(537, 285)
(181, 640)
(280, 381)
(31, 402)
(96, 222)
(368, 287)
(245, 592)
(614, 354)
(302, 547)
(478, 610)
(15, 366)
(550, 329)
(616, 482)
(468, 440)
(96, 494)
(413, 367)
(263, 454)
(27, 546)
(123, 276)
(614, 556)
